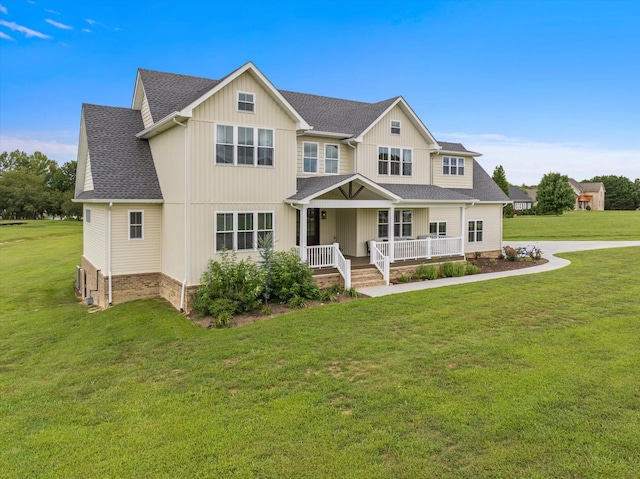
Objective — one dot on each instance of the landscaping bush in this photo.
(471, 269)
(426, 271)
(510, 253)
(452, 270)
(239, 283)
(291, 278)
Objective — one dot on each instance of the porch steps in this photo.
(366, 277)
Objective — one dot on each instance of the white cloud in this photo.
(52, 11)
(86, 30)
(56, 145)
(58, 24)
(26, 31)
(3, 9)
(90, 22)
(5, 36)
(526, 161)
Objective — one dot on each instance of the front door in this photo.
(313, 227)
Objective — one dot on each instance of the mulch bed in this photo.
(486, 265)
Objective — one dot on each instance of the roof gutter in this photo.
(167, 122)
(108, 200)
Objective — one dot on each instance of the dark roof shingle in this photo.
(516, 194)
(484, 188)
(121, 165)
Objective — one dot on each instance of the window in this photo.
(395, 127)
(475, 231)
(246, 102)
(135, 225)
(331, 159)
(224, 144)
(402, 223)
(238, 231)
(453, 166)
(438, 229)
(265, 147)
(310, 157)
(394, 161)
(87, 215)
(243, 150)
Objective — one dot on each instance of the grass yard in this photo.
(575, 225)
(528, 377)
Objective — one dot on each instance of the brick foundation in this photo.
(93, 283)
(127, 287)
(485, 254)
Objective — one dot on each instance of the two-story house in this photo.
(196, 166)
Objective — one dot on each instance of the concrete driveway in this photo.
(549, 249)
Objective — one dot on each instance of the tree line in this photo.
(34, 187)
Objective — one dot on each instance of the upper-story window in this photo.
(246, 101)
(136, 225)
(394, 161)
(395, 127)
(331, 159)
(309, 157)
(241, 145)
(452, 166)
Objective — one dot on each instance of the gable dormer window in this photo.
(395, 127)
(452, 166)
(246, 102)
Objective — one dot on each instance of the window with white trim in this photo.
(136, 221)
(452, 166)
(309, 157)
(331, 159)
(246, 102)
(87, 215)
(242, 231)
(394, 161)
(402, 223)
(395, 127)
(475, 231)
(438, 229)
(236, 145)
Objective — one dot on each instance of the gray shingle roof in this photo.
(121, 165)
(484, 188)
(453, 147)
(516, 194)
(310, 186)
(169, 92)
(425, 192)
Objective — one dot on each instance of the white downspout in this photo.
(109, 253)
(186, 212)
(355, 156)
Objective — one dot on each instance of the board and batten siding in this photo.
(145, 111)
(451, 181)
(94, 246)
(172, 241)
(345, 165)
(491, 216)
(202, 231)
(346, 231)
(450, 215)
(409, 138)
(168, 150)
(132, 256)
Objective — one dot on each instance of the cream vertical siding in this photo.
(451, 215)
(328, 227)
(147, 119)
(450, 181)
(168, 150)
(346, 231)
(131, 256)
(88, 177)
(95, 235)
(491, 215)
(409, 138)
(172, 241)
(82, 159)
(345, 165)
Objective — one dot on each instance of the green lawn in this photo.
(535, 376)
(575, 225)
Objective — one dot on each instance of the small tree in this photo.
(500, 178)
(555, 194)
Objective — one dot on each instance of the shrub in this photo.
(510, 253)
(290, 278)
(238, 282)
(494, 262)
(450, 269)
(266, 311)
(471, 269)
(335, 288)
(425, 271)
(223, 320)
(352, 292)
(297, 302)
(535, 254)
(403, 278)
(327, 296)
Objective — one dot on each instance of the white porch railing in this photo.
(423, 248)
(380, 260)
(328, 256)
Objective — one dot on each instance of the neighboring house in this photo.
(588, 195)
(521, 200)
(196, 166)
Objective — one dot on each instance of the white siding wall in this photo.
(346, 155)
(450, 181)
(452, 217)
(491, 215)
(135, 255)
(410, 137)
(95, 235)
(328, 227)
(88, 177)
(145, 111)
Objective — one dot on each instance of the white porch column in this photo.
(392, 230)
(303, 233)
(462, 228)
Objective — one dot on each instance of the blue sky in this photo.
(536, 86)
